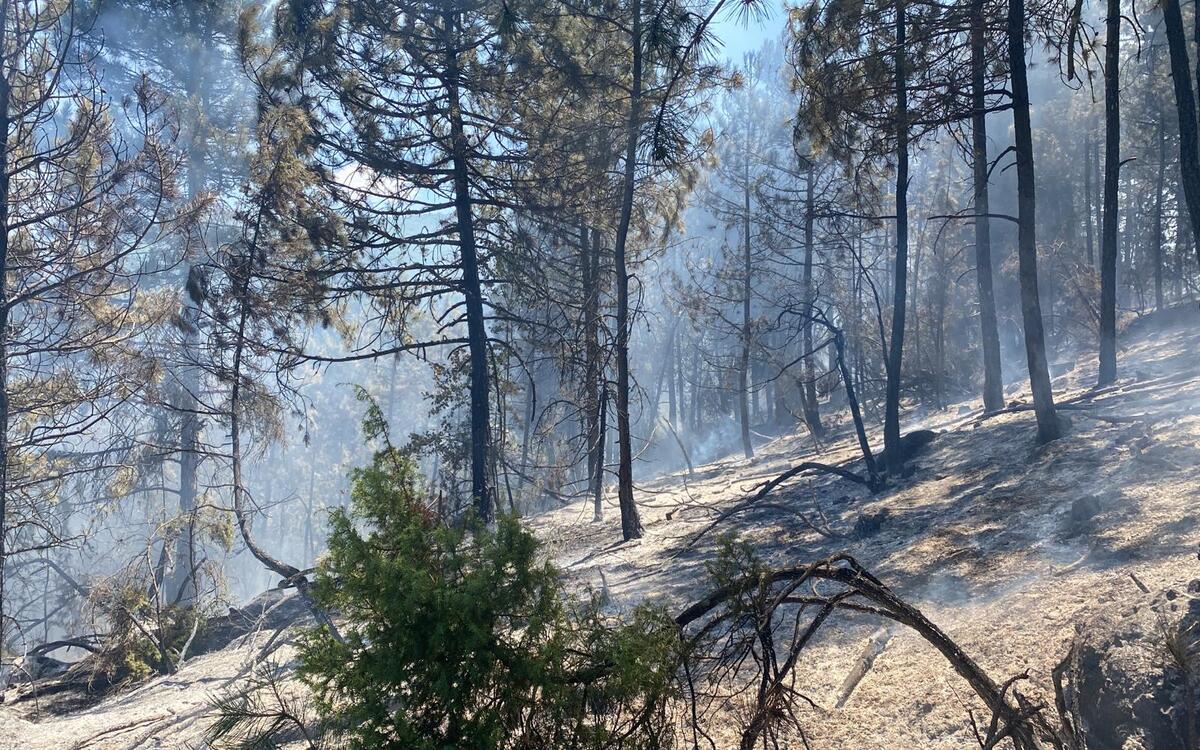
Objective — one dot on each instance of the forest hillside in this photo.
(599, 374)
(1015, 550)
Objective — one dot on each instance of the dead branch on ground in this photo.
(746, 637)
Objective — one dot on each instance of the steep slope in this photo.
(1006, 545)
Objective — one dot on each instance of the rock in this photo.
(1082, 517)
(1129, 694)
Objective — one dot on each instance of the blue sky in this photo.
(739, 37)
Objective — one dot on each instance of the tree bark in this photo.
(1185, 107)
(812, 413)
(747, 265)
(891, 424)
(1112, 174)
(1087, 198)
(1159, 239)
(631, 524)
(993, 383)
(594, 430)
(671, 406)
(1031, 308)
(184, 587)
(597, 480)
(482, 494)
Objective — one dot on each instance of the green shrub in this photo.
(463, 638)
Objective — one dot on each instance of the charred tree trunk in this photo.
(593, 430)
(527, 427)
(1180, 242)
(672, 409)
(631, 524)
(597, 477)
(1112, 174)
(812, 414)
(744, 359)
(482, 494)
(1159, 239)
(1031, 308)
(891, 424)
(993, 383)
(681, 388)
(1087, 198)
(1185, 106)
(184, 588)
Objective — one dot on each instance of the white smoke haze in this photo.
(755, 251)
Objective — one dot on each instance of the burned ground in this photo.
(1013, 549)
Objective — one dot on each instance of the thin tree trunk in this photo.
(812, 413)
(671, 406)
(681, 389)
(860, 429)
(1158, 238)
(1112, 174)
(184, 587)
(1180, 242)
(1098, 181)
(597, 478)
(1087, 197)
(891, 425)
(593, 408)
(744, 360)
(993, 383)
(1031, 308)
(481, 485)
(527, 428)
(631, 524)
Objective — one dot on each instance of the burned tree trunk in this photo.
(631, 524)
(1185, 107)
(891, 424)
(1158, 240)
(1112, 173)
(993, 385)
(812, 414)
(482, 494)
(744, 359)
(1031, 308)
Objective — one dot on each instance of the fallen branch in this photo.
(866, 659)
(758, 601)
(86, 643)
(766, 488)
